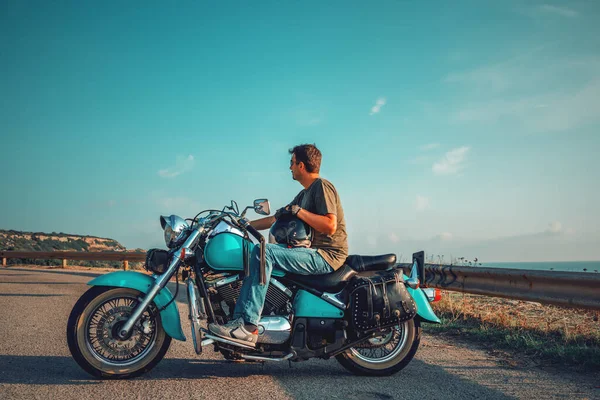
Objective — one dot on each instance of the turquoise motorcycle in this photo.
(367, 314)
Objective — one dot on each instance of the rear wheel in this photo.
(92, 334)
(385, 354)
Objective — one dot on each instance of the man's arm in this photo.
(263, 223)
(326, 224)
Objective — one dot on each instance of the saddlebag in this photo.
(379, 300)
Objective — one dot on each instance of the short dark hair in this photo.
(309, 155)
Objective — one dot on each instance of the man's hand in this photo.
(295, 209)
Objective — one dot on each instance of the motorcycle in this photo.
(367, 314)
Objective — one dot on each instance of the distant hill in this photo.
(39, 241)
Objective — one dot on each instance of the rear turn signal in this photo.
(437, 295)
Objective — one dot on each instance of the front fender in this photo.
(138, 281)
(424, 309)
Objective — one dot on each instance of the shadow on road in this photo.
(315, 377)
(301, 381)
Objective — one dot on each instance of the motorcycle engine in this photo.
(274, 327)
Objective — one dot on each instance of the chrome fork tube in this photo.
(160, 283)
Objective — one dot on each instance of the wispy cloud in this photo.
(539, 113)
(452, 162)
(518, 91)
(562, 11)
(444, 236)
(492, 77)
(378, 104)
(421, 203)
(430, 146)
(182, 164)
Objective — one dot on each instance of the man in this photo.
(318, 205)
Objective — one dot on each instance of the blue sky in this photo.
(465, 129)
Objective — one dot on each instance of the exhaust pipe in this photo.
(258, 358)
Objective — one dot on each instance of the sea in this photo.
(571, 266)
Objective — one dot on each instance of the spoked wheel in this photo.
(385, 354)
(92, 334)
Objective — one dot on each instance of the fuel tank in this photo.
(224, 251)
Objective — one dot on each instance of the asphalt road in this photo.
(35, 362)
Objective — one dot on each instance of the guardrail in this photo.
(76, 255)
(570, 289)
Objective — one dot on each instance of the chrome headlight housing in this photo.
(175, 229)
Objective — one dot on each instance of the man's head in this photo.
(306, 160)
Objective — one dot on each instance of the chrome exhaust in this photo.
(258, 358)
(229, 342)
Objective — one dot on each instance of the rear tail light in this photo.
(433, 294)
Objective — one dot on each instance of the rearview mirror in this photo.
(262, 206)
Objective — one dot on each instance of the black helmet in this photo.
(291, 231)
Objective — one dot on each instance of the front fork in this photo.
(161, 281)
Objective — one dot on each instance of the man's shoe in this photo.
(235, 330)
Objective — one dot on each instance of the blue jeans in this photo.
(297, 260)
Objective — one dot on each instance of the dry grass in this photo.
(542, 332)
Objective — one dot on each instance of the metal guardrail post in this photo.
(125, 265)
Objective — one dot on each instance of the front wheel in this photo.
(386, 354)
(92, 334)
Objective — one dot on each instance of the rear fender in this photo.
(138, 281)
(424, 311)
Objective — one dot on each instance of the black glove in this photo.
(282, 211)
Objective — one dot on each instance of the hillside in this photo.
(39, 241)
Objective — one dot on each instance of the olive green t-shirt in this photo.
(322, 198)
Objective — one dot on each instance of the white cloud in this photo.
(182, 164)
(452, 162)
(393, 238)
(430, 146)
(377, 107)
(444, 236)
(555, 227)
(562, 11)
(422, 203)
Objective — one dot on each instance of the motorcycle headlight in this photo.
(175, 229)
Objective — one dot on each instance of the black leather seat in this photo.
(371, 263)
(331, 283)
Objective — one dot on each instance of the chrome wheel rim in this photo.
(384, 348)
(104, 322)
